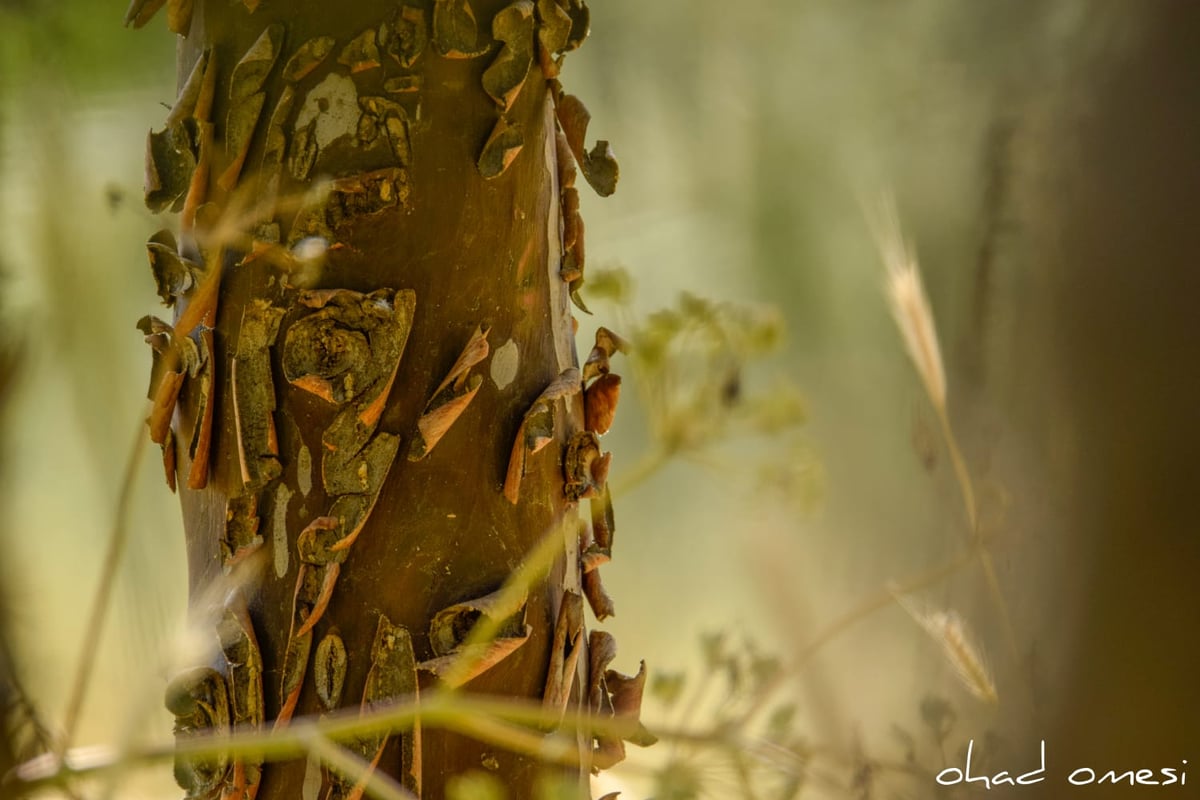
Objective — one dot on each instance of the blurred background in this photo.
(1044, 163)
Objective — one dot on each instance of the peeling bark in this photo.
(363, 186)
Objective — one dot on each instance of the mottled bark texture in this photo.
(369, 393)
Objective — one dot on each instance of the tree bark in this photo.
(332, 337)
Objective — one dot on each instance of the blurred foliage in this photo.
(78, 41)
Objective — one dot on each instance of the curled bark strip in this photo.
(179, 16)
(240, 537)
(276, 147)
(537, 429)
(481, 656)
(295, 664)
(174, 358)
(185, 104)
(597, 597)
(597, 551)
(564, 653)
(500, 149)
(197, 190)
(626, 694)
(455, 32)
(201, 441)
(328, 574)
(310, 598)
(612, 695)
(574, 251)
(251, 72)
(600, 403)
(168, 459)
(142, 11)
(450, 627)
(393, 675)
(388, 116)
(307, 57)
(247, 98)
(599, 166)
(451, 397)
(254, 394)
(174, 275)
(504, 77)
(554, 26)
(585, 467)
(239, 132)
(434, 423)
(602, 649)
(361, 54)
(607, 344)
(170, 161)
(245, 667)
(163, 407)
(199, 699)
(405, 37)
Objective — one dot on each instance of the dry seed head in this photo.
(967, 659)
(906, 295)
(948, 630)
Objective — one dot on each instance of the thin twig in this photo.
(864, 609)
(117, 540)
(985, 557)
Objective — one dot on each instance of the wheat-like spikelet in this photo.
(967, 659)
(906, 295)
(950, 632)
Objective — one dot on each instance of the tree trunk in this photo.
(324, 341)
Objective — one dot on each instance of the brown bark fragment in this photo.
(455, 32)
(505, 76)
(564, 653)
(405, 37)
(599, 166)
(361, 54)
(199, 699)
(244, 663)
(142, 11)
(307, 57)
(597, 597)
(250, 73)
(451, 397)
(179, 16)
(600, 403)
(537, 429)
(240, 537)
(240, 126)
(393, 675)
(254, 394)
(201, 441)
(170, 161)
(500, 149)
(607, 344)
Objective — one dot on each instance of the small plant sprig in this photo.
(691, 365)
(914, 319)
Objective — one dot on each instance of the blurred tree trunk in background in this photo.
(349, 328)
(1113, 214)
